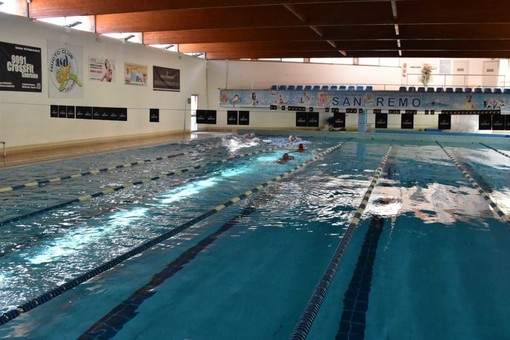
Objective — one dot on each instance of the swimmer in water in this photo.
(301, 147)
(285, 158)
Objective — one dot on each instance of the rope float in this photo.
(306, 320)
(498, 151)
(49, 295)
(487, 198)
(129, 185)
(95, 171)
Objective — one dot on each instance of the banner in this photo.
(65, 63)
(484, 122)
(135, 74)
(388, 100)
(381, 121)
(20, 68)
(407, 121)
(166, 79)
(101, 69)
(244, 117)
(232, 117)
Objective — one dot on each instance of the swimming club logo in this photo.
(64, 70)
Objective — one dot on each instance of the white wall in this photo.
(25, 117)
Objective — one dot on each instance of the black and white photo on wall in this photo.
(444, 122)
(407, 121)
(244, 117)
(232, 117)
(381, 121)
(154, 115)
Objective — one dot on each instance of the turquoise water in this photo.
(438, 267)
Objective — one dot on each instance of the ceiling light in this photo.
(131, 36)
(74, 24)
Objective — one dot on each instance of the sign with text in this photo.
(244, 117)
(231, 117)
(381, 121)
(166, 79)
(444, 122)
(407, 121)
(20, 68)
(65, 70)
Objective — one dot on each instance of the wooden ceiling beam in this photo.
(455, 31)
(455, 54)
(375, 32)
(264, 46)
(457, 45)
(309, 54)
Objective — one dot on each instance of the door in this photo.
(193, 108)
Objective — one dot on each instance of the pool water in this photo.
(428, 258)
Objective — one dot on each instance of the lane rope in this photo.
(132, 184)
(308, 316)
(49, 295)
(486, 196)
(101, 170)
(498, 151)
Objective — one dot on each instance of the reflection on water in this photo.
(436, 203)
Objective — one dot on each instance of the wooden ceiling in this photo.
(235, 29)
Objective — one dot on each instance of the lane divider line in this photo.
(103, 170)
(312, 309)
(498, 151)
(49, 295)
(131, 184)
(486, 196)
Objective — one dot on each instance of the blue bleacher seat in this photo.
(308, 87)
(282, 87)
(439, 89)
(478, 90)
(402, 89)
(316, 87)
(299, 87)
(291, 87)
(351, 88)
(411, 89)
(421, 89)
(333, 88)
(459, 90)
(369, 88)
(487, 90)
(274, 87)
(506, 91)
(468, 90)
(430, 89)
(497, 90)
(359, 88)
(448, 89)
(343, 88)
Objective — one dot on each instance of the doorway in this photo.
(193, 108)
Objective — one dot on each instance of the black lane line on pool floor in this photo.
(61, 289)
(498, 151)
(113, 322)
(487, 198)
(353, 321)
(129, 185)
(308, 316)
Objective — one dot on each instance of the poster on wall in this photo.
(407, 121)
(20, 68)
(154, 115)
(444, 122)
(484, 122)
(135, 74)
(166, 79)
(201, 116)
(301, 119)
(313, 119)
(102, 69)
(244, 117)
(381, 121)
(231, 117)
(65, 70)
(498, 122)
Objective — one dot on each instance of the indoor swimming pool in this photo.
(217, 239)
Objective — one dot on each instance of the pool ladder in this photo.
(4, 152)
